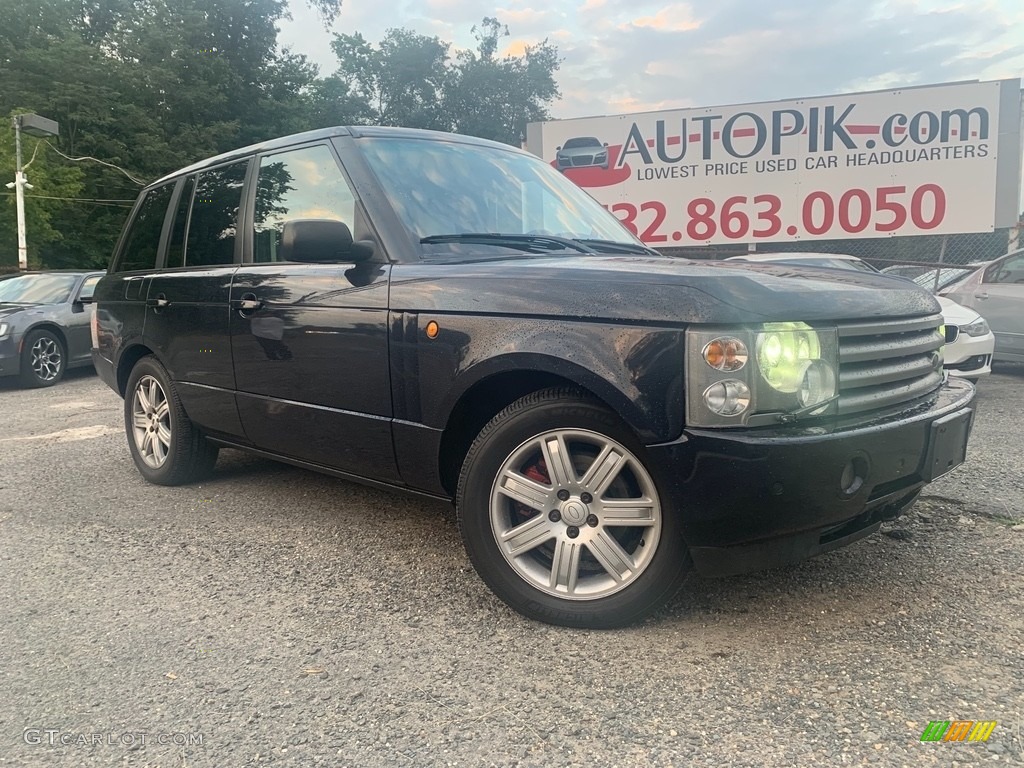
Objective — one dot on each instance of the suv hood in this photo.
(654, 289)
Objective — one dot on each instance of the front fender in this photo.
(636, 370)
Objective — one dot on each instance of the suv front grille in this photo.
(888, 362)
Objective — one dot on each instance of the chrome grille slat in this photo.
(870, 374)
(883, 327)
(888, 362)
(887, 347)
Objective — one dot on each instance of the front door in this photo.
(1000, 300)
(309, 334)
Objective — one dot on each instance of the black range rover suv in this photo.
(452, 317)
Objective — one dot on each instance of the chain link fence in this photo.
(923, 257)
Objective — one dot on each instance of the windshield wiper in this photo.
(525, 242)
(614, 246)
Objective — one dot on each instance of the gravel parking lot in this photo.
(285, 617)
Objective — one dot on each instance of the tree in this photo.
(50, 180)
(399, 82)
(409, 80)
(150, 86)
(495, 97)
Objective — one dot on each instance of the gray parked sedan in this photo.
(44, 325)
(997, 292)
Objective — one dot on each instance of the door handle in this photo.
(158, 302)
(982, 296)
(246, 303)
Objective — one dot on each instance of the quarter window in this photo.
(212, 225)
(301, 184)
(143, 240)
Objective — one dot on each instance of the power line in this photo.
(95, 200)
(96, 160)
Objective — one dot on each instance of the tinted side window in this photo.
(176, 246)
(301, 184)
(1009, 270)
(143, 239)
(212, 225)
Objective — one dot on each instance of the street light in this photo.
(33, 125)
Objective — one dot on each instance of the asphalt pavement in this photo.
(275, 616)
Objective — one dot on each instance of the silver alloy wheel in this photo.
(46, 358)
(151, 422)
(591, 529)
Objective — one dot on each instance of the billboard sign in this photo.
(932, 160)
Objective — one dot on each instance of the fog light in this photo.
(727, 398)
(854, 475)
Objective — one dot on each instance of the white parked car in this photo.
(969, 341)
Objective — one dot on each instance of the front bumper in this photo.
(970, 355)
(757, 498)
(10, 356)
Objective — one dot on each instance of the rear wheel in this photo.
(562, 519)
(166, 446)
(43, 359)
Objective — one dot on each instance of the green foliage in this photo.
(496, 98)
(43, 216)
(153, 85)
(409, 80)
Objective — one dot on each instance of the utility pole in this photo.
(34, 125)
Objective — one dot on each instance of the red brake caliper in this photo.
(538, 472)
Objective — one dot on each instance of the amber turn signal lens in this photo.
(725, 354)
(432, 330)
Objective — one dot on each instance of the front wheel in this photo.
(562, 519)
(43, 359)
(167, 447)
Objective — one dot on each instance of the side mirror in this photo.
(558, 149)
(321, 240)
(606, 143)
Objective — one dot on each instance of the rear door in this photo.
(187, 302)
(311, 352)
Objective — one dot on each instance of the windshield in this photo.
(946, 277)
(451, 188)
(37, 289)
(587, 141)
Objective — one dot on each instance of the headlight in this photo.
(792, 372)
(784, 351)
(978, 328)
(3, 330)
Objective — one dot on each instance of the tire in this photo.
(43, 359)
(542, 540)
(167, 447)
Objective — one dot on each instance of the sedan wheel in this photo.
(42, 359)
(562, 518)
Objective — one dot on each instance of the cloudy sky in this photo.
(633, 55)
